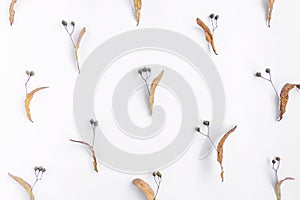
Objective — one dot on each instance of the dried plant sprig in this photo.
(94, 124)
(70, 30)
(208, 34)
(214, 21)
(30, 95)
(145, 74)
(39, 171)
(146, 188)
(270, 10)
(137, 7)
(278, 183)
(284, 94)
(219, 148)
(12, 12)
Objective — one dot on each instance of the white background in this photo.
(37, 41)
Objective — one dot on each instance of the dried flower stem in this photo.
(275, 167)
(271, 82)
(208, 136)
(145, 74)
(39, 171)
(158, 179)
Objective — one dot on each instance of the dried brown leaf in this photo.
(284, 98)
(145, 188)
(25, 185)
(220, 150)
(28, 99)
(92, 151)
(81, 34)
(208, 35)
(12, 11)
(278, 185)
(137, 7)
(153, 88)
(271, 3)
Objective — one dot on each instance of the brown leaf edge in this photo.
(12, 12)
(208, 35)
(25, 185)
(270, 10)
(28, 99)
(81, 34)
(145, 188)
(137, 7)
(284, 98)
(220, 150)
(153, 88)
(92, 151)
(278, 185)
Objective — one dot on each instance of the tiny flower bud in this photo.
(96, 123)
(43, 170)
(145, 69)
(92, 121)
(36, 168)
(206, 123)
(27, 72)
(268, 70)
(277, 158)
(273, 161)
(154, 174)
(149, 69)
(158, 174)
(211, 15)
(258, 74)
(140, 71)
(197, 129)
(31, 73)
(64, 23)
(72, 23)
(216, 17)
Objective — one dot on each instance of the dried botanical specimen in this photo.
(75, 45)
(12, 11)
(284, 94)
(219, 149)
(30, 95)
(208, 35)
(137, 7)
(94, 124)
(145, 74)
(271, 4)
(39, 171)
(146, 188)
(275, 167)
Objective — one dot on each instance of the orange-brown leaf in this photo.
(278, 185)
(145, 188)
(284, 98)
(12, 11)
(28, 99)
(270, 10)
(25, 185)
(220, 150)
(153, 88)
(208, 35)
(137, 7)
(81, 34)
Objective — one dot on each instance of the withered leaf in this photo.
(220, 150)
(12, 11)
(271, 3)
(25, 185)
(145, 188)
(153, 88)
(284, 98)
(208, 35)
(28, 99)
(278, 185)
(92, 151)
(82, 32)
(137, 7)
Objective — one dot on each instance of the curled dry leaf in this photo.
(12, 11)
(208, 34)
(271, 3)
(153, 88)
(220, 150)
(145, 188)
(82, 32)
(25, 185)
(137, 7)
(28, 99)
(284, 98)
(92, 151)
(278, 185)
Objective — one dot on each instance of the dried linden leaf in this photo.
(208, 34)
(284, 98)
(271, 3)
(145, 188)
(28, 99)
(153, 88)
(82, 32)
(92, 151)
(25, 185)
(278, 191)
(220, 150)
(12, 11)
(137, 7)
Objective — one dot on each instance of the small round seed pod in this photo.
(206, 123)
(96, 123)
(27, 72)
(212, 15)
(216, 17)
(273, 161)
(277, 158)
(72, 23)
(158, 174)
(31, 73)
(258, 74)
(268, 70)
(64, 23)
(197, 129)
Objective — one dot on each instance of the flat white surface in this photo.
(37, 41)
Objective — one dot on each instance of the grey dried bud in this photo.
(197, 129)
(43, 170)
(64, 23)
(72, 23)
(27, 72)
(206, 123)
(268, 70)
(36, 168)
(216, 17)
(149, 69)
(277, 158)
(154, 174)
(140, 71)
(273, 161)
(211, 15)
(92, 121)
(258, 74)
(31, 73)
(145, 69)
(158, 174)
(96, 123)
